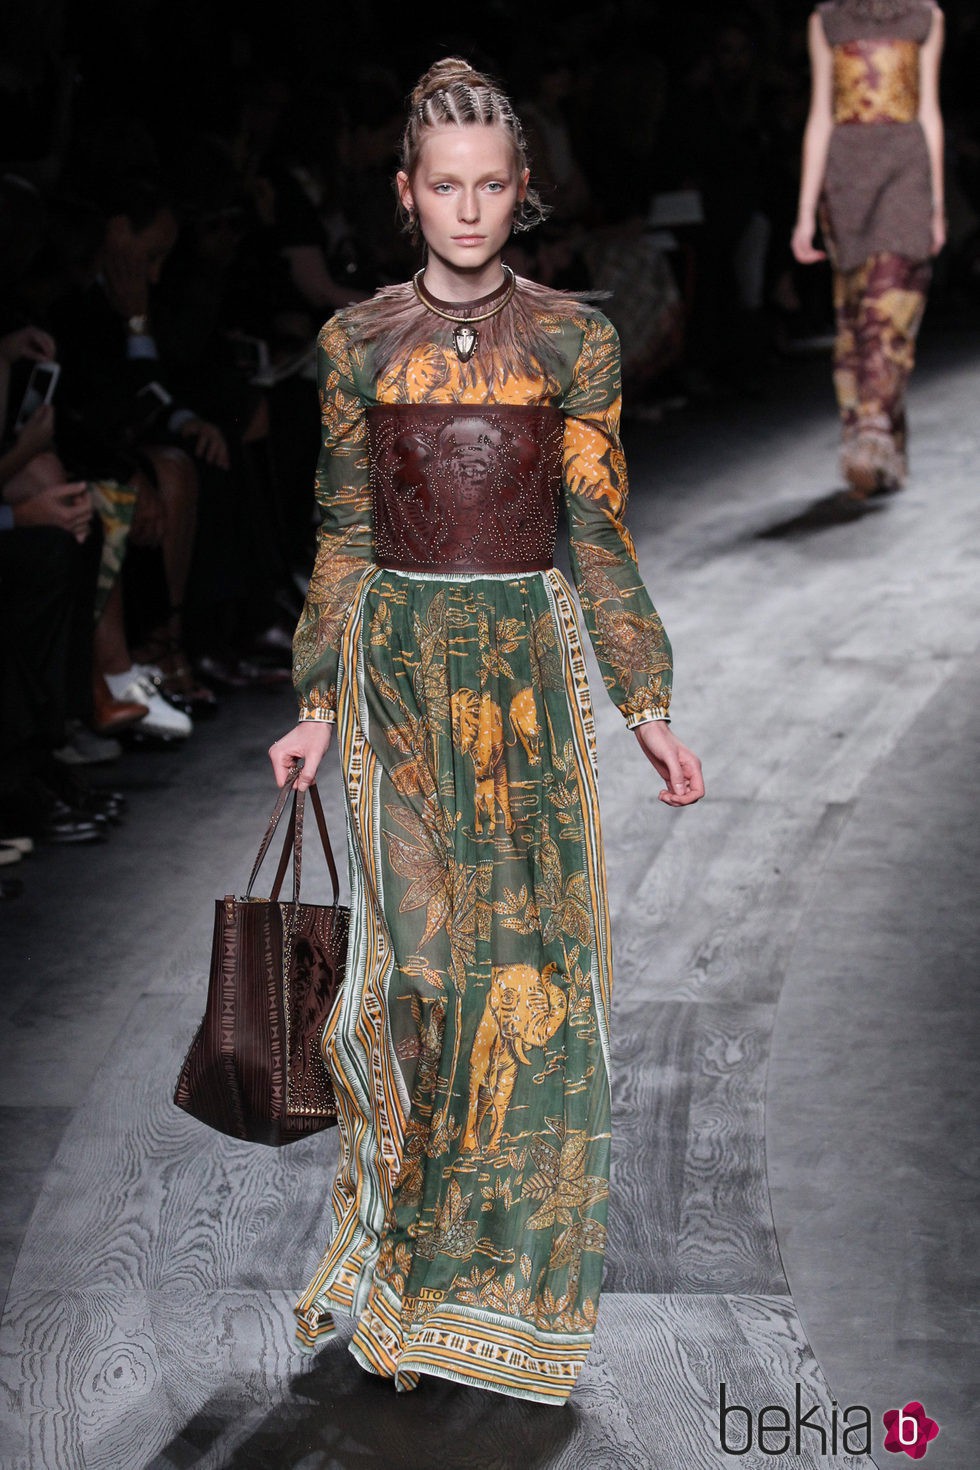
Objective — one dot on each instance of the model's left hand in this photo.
(679, 767)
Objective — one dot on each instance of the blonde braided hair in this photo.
(452, 93)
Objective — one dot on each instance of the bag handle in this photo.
(294, 840)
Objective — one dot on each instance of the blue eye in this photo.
(443, 188)
(495, 188)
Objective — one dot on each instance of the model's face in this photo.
(464, 190)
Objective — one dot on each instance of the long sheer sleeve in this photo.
(630, 643)
(345, 543)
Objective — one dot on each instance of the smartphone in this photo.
(40, 389)
(153, 396)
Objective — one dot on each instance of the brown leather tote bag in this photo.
(255, 1069)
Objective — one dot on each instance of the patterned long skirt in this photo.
(879, 308)
(469, 1045)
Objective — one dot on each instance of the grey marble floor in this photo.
(795, 1156)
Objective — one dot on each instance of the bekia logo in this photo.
(909, 1429)
(778, 1430)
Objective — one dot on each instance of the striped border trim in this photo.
(480, 1348)
(370, 1113)
(584, 740)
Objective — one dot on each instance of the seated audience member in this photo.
(49, 557)
(122, 423)
(31, 468)
(222, 347)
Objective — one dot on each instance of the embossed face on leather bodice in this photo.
(461, 488)
(473, 453)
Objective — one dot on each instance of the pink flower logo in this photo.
(909, 1429)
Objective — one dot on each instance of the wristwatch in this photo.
(138, 324)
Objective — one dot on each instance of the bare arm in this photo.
(932, 123)
(816, 140)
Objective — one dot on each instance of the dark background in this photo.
(267, 128)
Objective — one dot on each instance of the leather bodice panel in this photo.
(465, 488)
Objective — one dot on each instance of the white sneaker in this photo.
(162, 718)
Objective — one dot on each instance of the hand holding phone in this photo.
(39, 391)
(30, 342)
(37, 435)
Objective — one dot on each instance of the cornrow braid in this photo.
(452, 93)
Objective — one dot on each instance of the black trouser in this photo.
(47, 598)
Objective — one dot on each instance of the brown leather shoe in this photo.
(110, 715)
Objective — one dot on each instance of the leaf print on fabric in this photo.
(566, 1192)
(485, 1289)
(394, 1264)
(410, 1180)
(430, 632)
(510, 636)
(633, 641)
(547, 659)
(597, 584)
(603, 556)
(430, 884)
(500, 1192)
(412, 737)
(345, 540)
(561, 1182)
(453, 1234)
(564, 900)
(563, 793)
(518, 911)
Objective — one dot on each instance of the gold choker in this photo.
(465, 313)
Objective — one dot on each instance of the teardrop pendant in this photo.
(465, 341)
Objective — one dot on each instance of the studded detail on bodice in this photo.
(465, 488)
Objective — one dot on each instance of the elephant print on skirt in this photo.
(523, 1009)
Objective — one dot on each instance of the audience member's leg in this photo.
(177, 485)
(46, 589)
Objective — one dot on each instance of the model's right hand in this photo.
(802, 244)
(308, 742)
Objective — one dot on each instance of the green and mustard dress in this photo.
(470, 1043)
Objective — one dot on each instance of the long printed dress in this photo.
(876, 215)
(469, 1045)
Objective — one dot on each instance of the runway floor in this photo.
(794, 1198)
